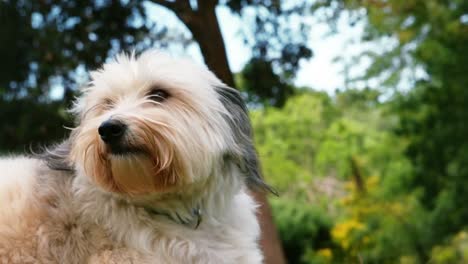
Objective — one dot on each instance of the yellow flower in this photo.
(397, 208)
(342, 231)
(348, 200)
(461, 236)
(325, 253)
(372, 181)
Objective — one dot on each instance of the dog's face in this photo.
(153, 123)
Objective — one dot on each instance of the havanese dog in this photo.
(157, 170)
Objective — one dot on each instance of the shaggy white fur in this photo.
(170, 187)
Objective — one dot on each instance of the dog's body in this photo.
(155, 172)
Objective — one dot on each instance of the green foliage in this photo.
(380, 229)
(38, 126)
(50, 39)
(47, 44)
(429, 36)
(303, 228)
(305, 150)
(262, 85)
(454, 251)
(273, 38)
(289, 138)
(435, 111)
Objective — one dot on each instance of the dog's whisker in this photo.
(155, 122)
(90, 110)
(70, 128)
(147, 100)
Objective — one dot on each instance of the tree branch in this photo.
(169, 5)
(181, 8)
(184, 6)
(203, 4)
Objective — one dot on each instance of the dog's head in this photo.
(154, 123)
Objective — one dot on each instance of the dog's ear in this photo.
(244, 155)
(58, 157)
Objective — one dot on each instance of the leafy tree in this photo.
(270, 89)
(306, 148)
(429, 36)
(48, 44)
(49, 40)
(288, 139)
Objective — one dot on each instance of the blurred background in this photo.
(359, 107)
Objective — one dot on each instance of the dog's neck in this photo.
(205, 201)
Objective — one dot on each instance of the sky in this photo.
(320, 72)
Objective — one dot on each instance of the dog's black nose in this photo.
(111, 130)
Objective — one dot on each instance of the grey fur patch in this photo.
(245, 156)
(57, 158)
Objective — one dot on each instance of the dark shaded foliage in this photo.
(44, 44)
(302, 227)
(263, 85)
(29, 124)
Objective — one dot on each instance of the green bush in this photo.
(303, 228)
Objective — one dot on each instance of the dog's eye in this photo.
(158, 95)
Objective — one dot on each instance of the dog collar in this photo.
(192, 222)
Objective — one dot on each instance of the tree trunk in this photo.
(204, 26)
(269, 240)
(357, 175)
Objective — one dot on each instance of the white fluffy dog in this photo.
(156, 171)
